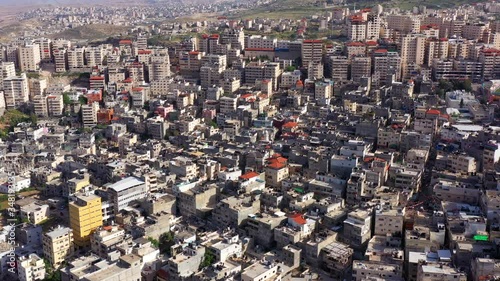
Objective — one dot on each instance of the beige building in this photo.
(89, 114)
(389, 220)
(60, 60)
(412, 51)
(31, 268)
(16, 90)
(40, 105)
(360, 67)
(55, 105)
(35, 212)
(440, 272)
(76, 58)
(58, 245)
(29, 57)
(312, 50)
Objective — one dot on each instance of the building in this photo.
(35, 212)
(412, 52)
(312, 50)
(125, 191)
(360, 67)
(30, 268)
(57, 245)
(357, 228)
(29, 57)
(55, 105)
(85, 217)
(40, 105)
(16, 90)
(89, 114)
(336, 259)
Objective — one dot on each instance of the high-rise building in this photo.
(76, 58)
(412, 52)
(29, 57)
(45, 50)
(312, 50)
(55, 105)
(16, 90)
(57, 245)
(60, 60)
(360, 67)
(339, 68)
(385, 63)
(7, 69)
(85, 216)
(159, 67)
(94, 56)
(436, 49)
(364, 25)
(89, 114)
(40, 105)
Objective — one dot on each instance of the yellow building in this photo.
(57, 245)
(85, 215)
(75, 184)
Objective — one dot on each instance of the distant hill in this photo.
(91, 32)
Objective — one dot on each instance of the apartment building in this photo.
(85, 216)
(60, 60)
(125, 191)
(29, 57)
(339, 68)
(384, 64)
(76, 58)
(360, 67)
(40, 105)
(30, 268)
(412, 51)
(357, 228)
(89, 114)
(16, 90)
(55, 105)
(58, 245)
(312, 50)
(159, 67)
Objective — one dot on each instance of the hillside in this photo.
(92, 32)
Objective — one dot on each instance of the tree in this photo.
(166, 242)
(66, 99)
(461, 103)
(208, 259)
(290, 68)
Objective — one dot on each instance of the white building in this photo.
(125, 191)
(31, 268)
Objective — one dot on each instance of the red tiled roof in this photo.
(312, 41)
(355, 44)
(380, 51)
(138, 89)
(249, 175)
(128, 80)
(276, 165)
(371, 43)
(125, 42)
(433, 112)
(290, 125)
(144, 52)
(298, 218)
(96, 78)
(246, 96)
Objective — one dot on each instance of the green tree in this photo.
(66, 99)
(461, 103)
(290, 68)
(166, 242)
(82, 99)
(154, 242)
(208, 259)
